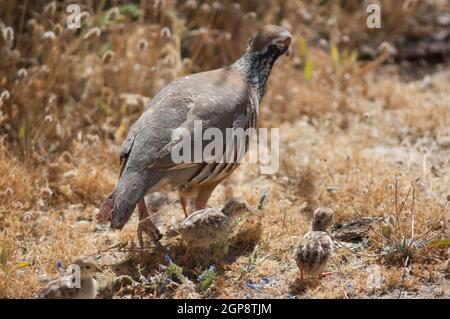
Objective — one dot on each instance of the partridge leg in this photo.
(184, 205)
(301, 272)
(203, 196)
(146, 225)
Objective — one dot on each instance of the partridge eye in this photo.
(88, 267)
(272, 47)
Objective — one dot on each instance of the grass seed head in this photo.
(108, 57)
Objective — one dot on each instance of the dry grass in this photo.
(353, 137)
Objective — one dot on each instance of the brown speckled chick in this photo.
(316, 247)
(204, 227)
(64, 288)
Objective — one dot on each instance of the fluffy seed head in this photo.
(49, 36)
(165, 33)
(205, 8)
(48, 119)
(31, 25)
(191, 4)
(108, 57)
(8, 35)
(5, 95)
(113, 14)
(22, 73)
(50, 9)
(236, 6)
(84, 16)
(9, 192)
(58, 29)
(94, 32)
(250, 16)
(388, 48)
(217, 5)
(143, 45)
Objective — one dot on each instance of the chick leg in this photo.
(146, 225)
(301, 272)
(185, 258)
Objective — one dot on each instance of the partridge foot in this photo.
(146, 225)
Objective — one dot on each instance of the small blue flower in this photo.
(59, 265)
(212, 268)
(251, 285)
(167, 259)
(162, 267)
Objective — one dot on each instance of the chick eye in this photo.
(88, 267)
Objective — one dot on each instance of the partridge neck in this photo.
(256, 67)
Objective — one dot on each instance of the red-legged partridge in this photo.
(224, 98)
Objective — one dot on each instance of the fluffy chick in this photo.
(316, 247)
(204, 227)
(65, 288)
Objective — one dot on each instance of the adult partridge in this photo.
(221, 99)
(316, 247)
(64, 287)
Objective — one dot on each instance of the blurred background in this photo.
(95, 80)
(361, 112)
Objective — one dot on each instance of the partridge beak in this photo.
(97, 269)
(287, 43)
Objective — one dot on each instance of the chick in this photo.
(204, 227)
(316, 247)
(66, 287)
